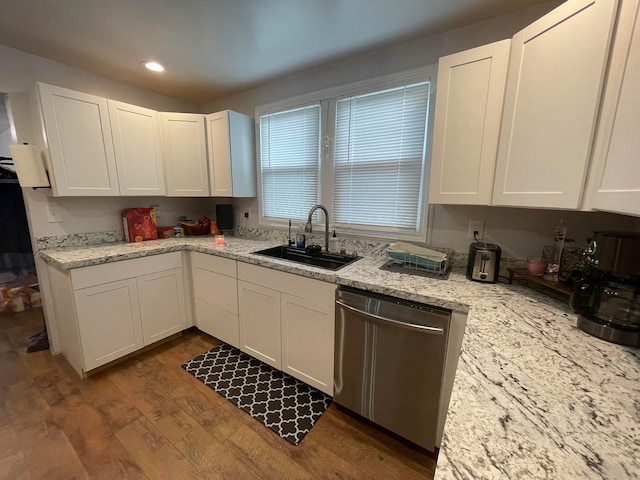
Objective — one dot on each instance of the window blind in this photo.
(378, 158)
(290, 162)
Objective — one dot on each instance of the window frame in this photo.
(327, 99)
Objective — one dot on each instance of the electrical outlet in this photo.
(476, 226)
(246, 213)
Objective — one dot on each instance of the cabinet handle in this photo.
(409, 326)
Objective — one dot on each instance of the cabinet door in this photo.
(556, 70)
(162, 304)
(259, 310)
(219, 154)
(185, 154)
(308, 341)
(232, 167)
(136, 139)
(616, 162)
(78, 135)
(467, 124)
(216, 305)
(109, 321)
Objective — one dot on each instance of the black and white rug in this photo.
(282, 403)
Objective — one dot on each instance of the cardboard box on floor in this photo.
(20, 295)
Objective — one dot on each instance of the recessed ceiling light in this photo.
(153, 66)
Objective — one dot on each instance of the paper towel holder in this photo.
(29, 166)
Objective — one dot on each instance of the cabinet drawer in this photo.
(213, 263)
(218, 323)
(303, 287)
(215, 289)
(109, 272)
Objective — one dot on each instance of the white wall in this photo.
(5, 141)
(417, 53)
(20, 71)
(520, 232)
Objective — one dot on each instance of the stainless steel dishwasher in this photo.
(389, 362)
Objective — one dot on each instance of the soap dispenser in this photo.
(300, 238)
(334, 243)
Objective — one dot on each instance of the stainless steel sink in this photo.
(330, 261)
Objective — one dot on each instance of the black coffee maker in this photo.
(607, 298)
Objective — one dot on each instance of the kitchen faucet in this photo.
(309, 228)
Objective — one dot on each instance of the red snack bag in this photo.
(139, 224)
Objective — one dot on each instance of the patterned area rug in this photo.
(282, 403)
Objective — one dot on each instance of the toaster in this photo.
(484, 262)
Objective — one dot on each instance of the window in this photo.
(360, 151)
(379, 158)
(290, 162)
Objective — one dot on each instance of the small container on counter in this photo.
(334, 243)
(219, 239)
(300, 238)
(536, 266)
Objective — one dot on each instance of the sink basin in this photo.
(330, 261)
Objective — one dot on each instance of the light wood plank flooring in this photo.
(148, 419)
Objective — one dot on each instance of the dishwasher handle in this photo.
(408, 326)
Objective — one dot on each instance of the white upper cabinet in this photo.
(231, 155)
(138, 149)
(78, 136)
(185, 154)
(554, 82)
(469, 102)
(615, 173)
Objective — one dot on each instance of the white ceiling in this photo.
(214, 48)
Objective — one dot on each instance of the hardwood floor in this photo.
(146, 418)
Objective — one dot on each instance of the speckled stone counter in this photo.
(533, 397)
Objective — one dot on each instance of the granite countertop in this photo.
(533, 397)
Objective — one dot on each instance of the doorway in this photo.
(18, 279)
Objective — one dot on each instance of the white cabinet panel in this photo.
(215, 293)
(162, 304)
(259, 310)
(215, 289)
(78, 134)
(301, 313)
(120, 307)
(467, 124)
(185, 154)
(218, 323)
(616, 161)
(308, 341)
(556, 70)
(138, 149)
(231, 155)
(108, 321)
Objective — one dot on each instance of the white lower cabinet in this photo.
(215, 294)
(162, 304)
(108, 321)
(120, 307)
(260, 322)
(287, 321)
(307, 340)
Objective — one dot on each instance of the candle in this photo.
(219, 239)
(535, 266)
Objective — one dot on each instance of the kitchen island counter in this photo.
(533, 397)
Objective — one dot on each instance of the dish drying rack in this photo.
(434, 262)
